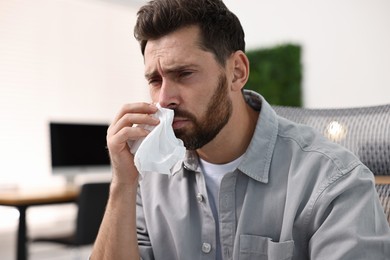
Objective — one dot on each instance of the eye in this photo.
(154, 82)
(185, 74)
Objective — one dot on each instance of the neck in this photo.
(234, 138)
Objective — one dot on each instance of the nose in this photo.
(169, 94)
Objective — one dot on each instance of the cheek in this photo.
(197, 102)
(154, 95)
(203, 92)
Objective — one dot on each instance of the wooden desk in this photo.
(23, 198)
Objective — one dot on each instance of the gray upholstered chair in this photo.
(363, 130)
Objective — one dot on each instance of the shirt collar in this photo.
(191, 161)
(257, 158)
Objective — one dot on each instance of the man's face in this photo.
(188, 80)
(216, 116)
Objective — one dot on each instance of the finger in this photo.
(119, 140)
(129, 120)
(135, 108)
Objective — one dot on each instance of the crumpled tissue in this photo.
(160, 150)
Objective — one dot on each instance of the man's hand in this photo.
(120, 131)
(117, 237)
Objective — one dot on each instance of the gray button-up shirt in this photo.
(295, 195)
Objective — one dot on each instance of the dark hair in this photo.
(221, 31)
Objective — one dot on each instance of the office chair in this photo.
(91, 206)
(363, 130)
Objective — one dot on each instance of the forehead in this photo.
(178, 48)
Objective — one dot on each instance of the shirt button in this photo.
(206, 248)
(199, 197)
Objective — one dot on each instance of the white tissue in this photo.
(160, 150)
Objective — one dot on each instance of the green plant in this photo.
(276, 73)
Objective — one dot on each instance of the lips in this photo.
(179, 122)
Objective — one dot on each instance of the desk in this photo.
(23, 198)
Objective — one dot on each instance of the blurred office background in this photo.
(77, 61)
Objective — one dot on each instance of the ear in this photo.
(240, 66)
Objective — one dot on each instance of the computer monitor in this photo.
(78, 148)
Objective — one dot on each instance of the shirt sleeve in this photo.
(144, 244)
(348, 220)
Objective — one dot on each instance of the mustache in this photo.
(185, 114)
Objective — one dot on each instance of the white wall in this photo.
(346, 43)
(64, 60)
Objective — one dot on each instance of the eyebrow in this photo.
(172, 70)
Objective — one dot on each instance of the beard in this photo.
(216, 116)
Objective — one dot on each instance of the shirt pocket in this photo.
(263, 248)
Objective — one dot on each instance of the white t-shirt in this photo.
(213, 174)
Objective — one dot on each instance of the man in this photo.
(253, 185)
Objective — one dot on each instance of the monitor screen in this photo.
(78, 147)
